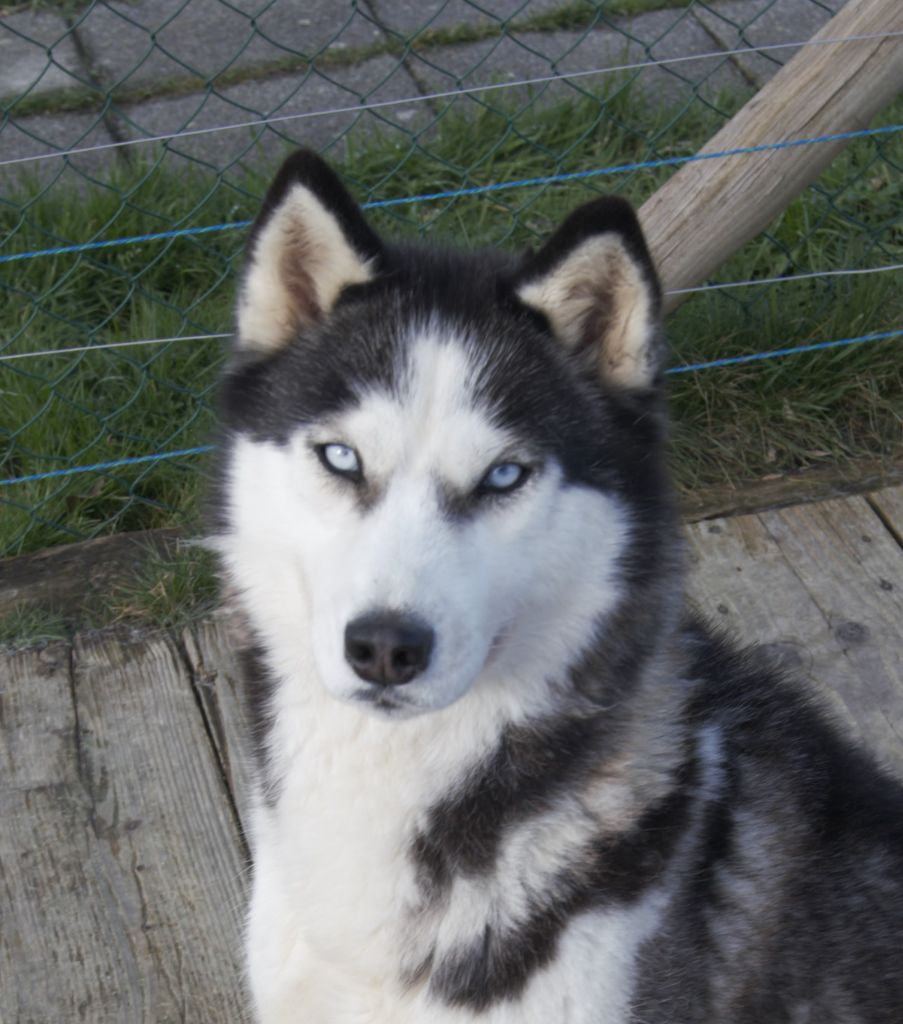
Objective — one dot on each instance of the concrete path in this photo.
(183, 65)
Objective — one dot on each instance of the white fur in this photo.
(513, 593)
(573, 290)
(300, 231)
(311, 561)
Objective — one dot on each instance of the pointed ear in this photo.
(595, 283)
(310, 240)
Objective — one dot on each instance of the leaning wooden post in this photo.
(707, 210)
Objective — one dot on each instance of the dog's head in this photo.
(440, 470)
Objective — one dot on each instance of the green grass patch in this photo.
(168, 591)
(27, 626)
(734, 424)
(579, 14)
(585, 14)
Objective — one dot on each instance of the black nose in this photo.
(387, 648)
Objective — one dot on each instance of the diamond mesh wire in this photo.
(109, 73)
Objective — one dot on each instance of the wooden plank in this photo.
(121, 867)
(67, 577)
(823, 585)
(815, 483)
(56, 942)
(210, 646)
(707, 210)
(889, 505)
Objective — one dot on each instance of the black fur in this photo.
(618, 870)
(258, 695)
(306, 168)
(825, 925)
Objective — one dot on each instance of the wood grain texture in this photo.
(816, 483)
(889, 506)
(210, 647)
(822, 585)
(707, 210)
(121, 868)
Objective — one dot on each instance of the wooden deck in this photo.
(122, 862)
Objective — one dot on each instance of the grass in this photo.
(27, 626)
(575, 14)
(735, 424)
(585, 13)
(168, 591)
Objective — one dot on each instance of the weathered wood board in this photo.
(888, 504)
(124, 771)
(121, 868)
(823, 584)
(210, 648)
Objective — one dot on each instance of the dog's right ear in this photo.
(309, 241)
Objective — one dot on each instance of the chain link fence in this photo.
(138, 137)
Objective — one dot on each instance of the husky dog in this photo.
(502, 774)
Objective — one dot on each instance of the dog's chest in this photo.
(339, 915)
(337, 932)
(339, 837)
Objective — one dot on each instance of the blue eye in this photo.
(504, 477)
(340, 459)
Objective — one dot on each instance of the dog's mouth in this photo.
(384, 700)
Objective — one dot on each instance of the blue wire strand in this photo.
(128, 240)
(115, 464)
(727, 361)
(474, 190)
(818, 346)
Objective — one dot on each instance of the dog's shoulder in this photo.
(774, 723)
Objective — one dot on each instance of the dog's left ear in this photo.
(309, 242)
(596, 284)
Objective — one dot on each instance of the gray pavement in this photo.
(650, 37)
(375, 80)
(737, 23)
(170, 46)
(37, 54)
(136, 44)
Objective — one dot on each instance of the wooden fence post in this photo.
(707, 210)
